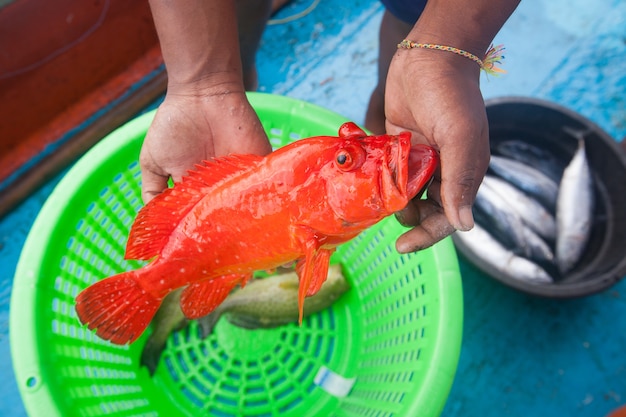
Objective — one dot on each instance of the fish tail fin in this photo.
(117, 307)
(201, 298)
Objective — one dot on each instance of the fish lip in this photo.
(407, 170)
(395, 173)
(422, 162)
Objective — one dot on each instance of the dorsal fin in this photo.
(213, 172)
(157, 220)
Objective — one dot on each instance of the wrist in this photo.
(470, 26)
(434, 64)
(209, 84)
(199, 43)
(488, 63)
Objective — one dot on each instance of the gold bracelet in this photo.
(488, 63)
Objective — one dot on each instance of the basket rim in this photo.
(27, 359)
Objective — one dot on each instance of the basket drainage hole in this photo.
(32, 382)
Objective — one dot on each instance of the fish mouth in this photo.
(423, 161)
(407, 171)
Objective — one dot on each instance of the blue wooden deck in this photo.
(521, 356)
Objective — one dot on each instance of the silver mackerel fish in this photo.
(575, 204)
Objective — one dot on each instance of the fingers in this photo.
(432, 226)
(449, 203)
(457, 199)
(188, 129)
(463, 165)
(428, 219)
(450, 197)
(152, 185)
(155, 177)
(464, 158)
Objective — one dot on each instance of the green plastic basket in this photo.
(388, 347)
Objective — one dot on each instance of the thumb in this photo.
(461, 175)
(152, 184)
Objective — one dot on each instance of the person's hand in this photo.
(435, 95)
(193, 126)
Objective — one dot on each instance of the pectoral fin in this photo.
(312, 271)
(320, 271)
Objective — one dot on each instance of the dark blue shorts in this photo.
(406, 10)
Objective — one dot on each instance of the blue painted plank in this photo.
(328, 58)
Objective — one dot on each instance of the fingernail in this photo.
(403, 247)
(466, 219)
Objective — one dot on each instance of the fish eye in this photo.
(349, 157)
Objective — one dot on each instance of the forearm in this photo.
(466, 24)
(199, 43)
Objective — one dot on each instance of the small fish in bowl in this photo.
(551, 212)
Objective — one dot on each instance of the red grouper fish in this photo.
(242, 213)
